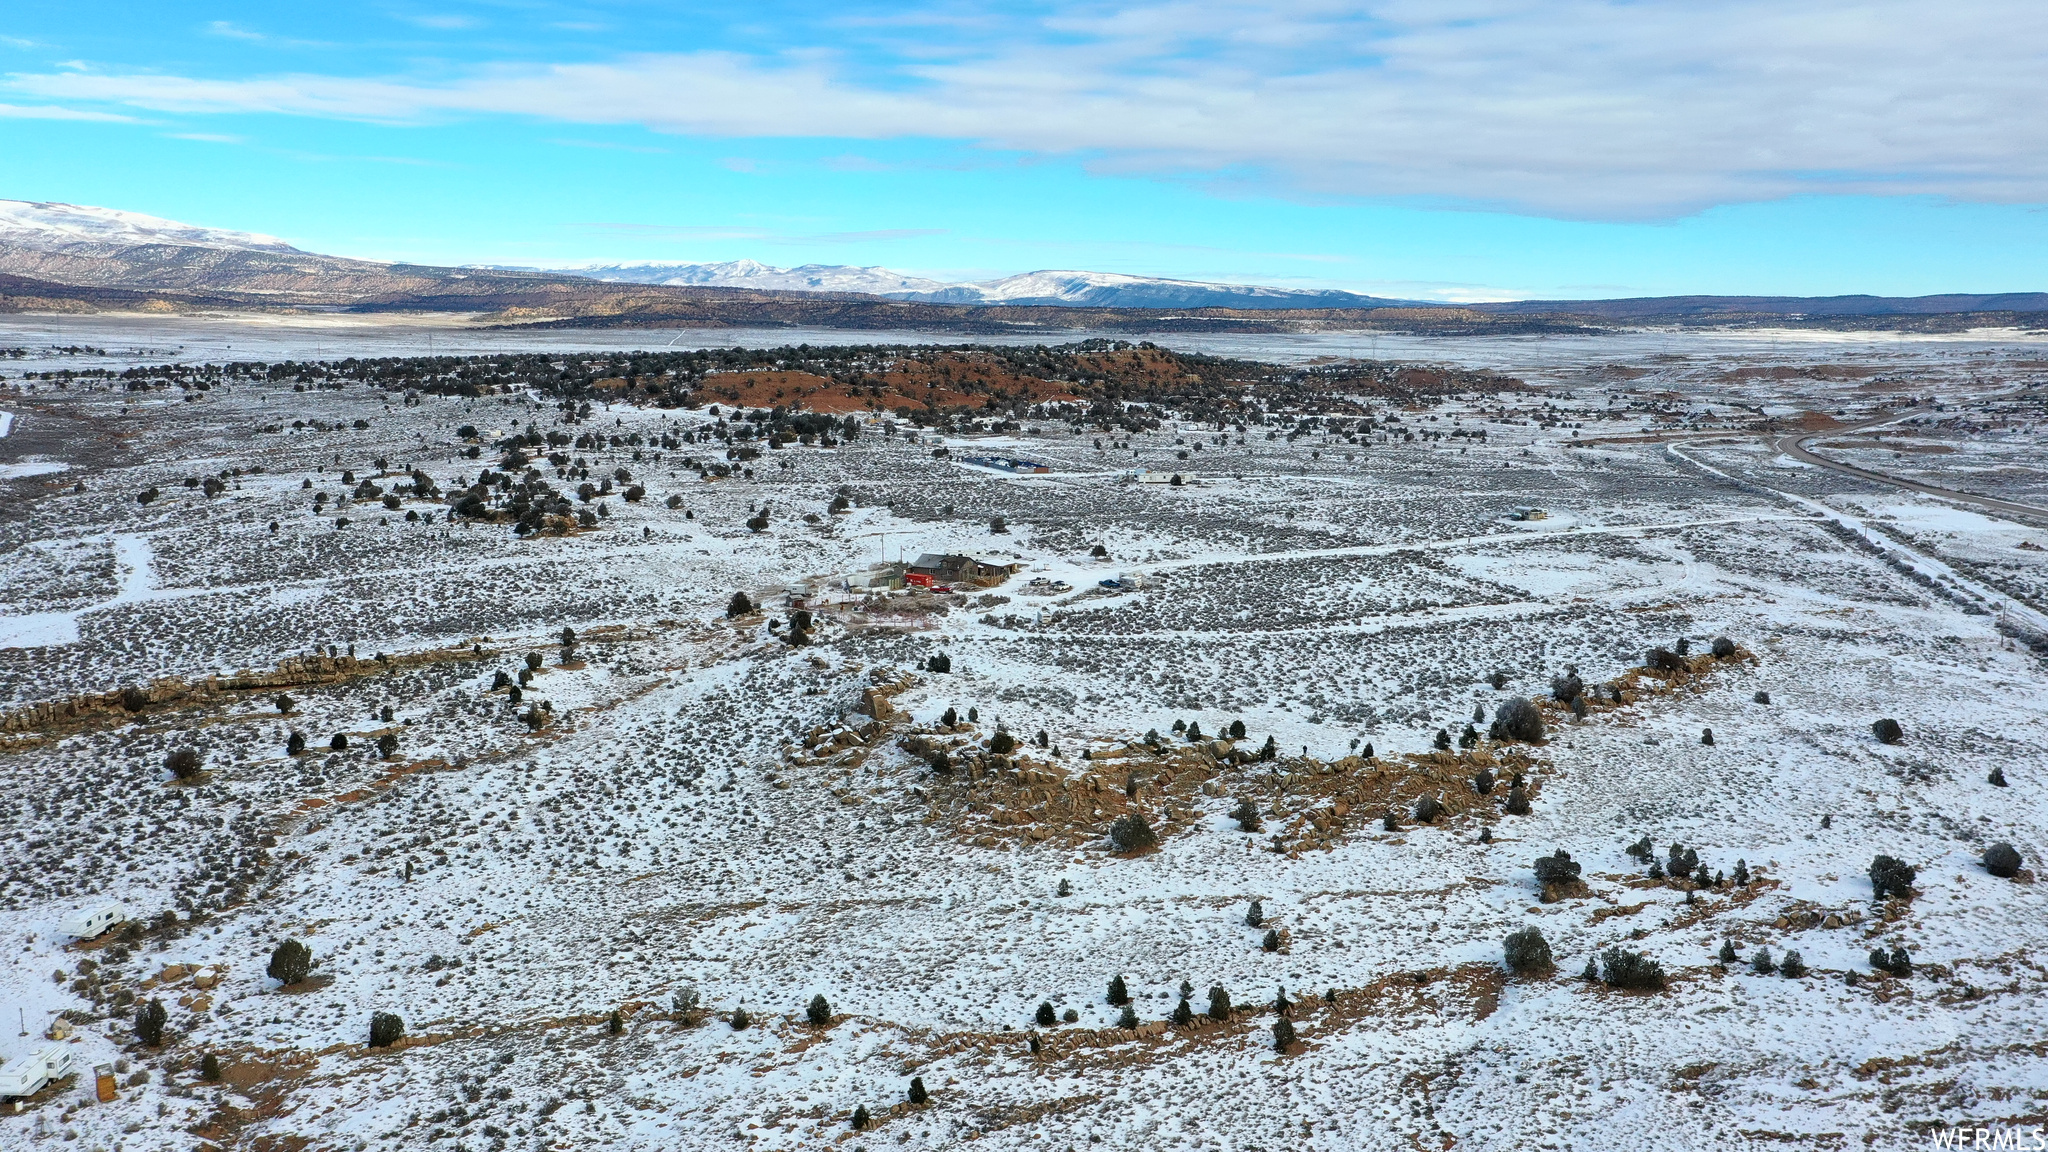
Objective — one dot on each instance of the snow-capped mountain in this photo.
(1065, 288)
(754, 274)
(1114, 290)
(50, 226)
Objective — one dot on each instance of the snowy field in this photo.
(700, 808)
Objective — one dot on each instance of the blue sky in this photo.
(1464, 149)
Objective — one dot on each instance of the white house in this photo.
(87, 923)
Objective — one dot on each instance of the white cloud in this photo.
(46, 112)
(1577, 108)
(231, 31)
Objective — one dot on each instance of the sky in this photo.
(1451, 150)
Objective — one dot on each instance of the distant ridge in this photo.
(1065, 289)
(75, 257)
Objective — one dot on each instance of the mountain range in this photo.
(65, 257)
(1049, 288)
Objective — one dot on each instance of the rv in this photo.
(87, 923)
(27, 1076)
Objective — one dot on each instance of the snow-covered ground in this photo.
(504, 889)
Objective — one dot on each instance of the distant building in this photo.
(1008, 464)
(952, 568)
(1530, 512)
(1153, 476)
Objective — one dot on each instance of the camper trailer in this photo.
(26, 1075)
(87, 923)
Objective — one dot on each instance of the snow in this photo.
(1091, 289)
(47, 225)
(660, 833)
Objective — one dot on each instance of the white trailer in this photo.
(87, 923)
(27, 1075)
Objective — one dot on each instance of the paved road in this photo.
(1794, 446)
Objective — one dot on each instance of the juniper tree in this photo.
(1283, 1035)
(1128, 1018)
(285, 703)
(1741, 876)
(1066, 888)
(1762, 697)
(149, 1022)
(950, 718)
(860, 1118)
(1891, 877)
(1625, 969)
(1793, 966)
(1272, 941)
(1483, 782)
(1642, 851)
(295, 744)
(1760, 961)
(1997, 777)
(683, 1001)
(387, 745)
(1002, 743)
(1237, 729)
(1219, 1003)
(917, 1092)
(209, 1068)
(1557, 868)
(290, 962)
(740, 1020)
(739, 605)
(1442, 742)
(183, 764)
(973, 714)
(1723, 648)
(1389, 821)
(940, 663)
(1183, 1013)
(1046, 1017)
(1567, 688)
(1518, 800)
(1728, 954)
(1428, 810)
(1887, 731)
(1118, 993)
(1527, 951)
(533, 661)
(615, 1025)
(1707, 737)
(1131, 833)
(385, 1029)
(1517, 719)
(1246, 814)
(2002, 860)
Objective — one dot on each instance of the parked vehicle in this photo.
(87, 923)
(27, 1075)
